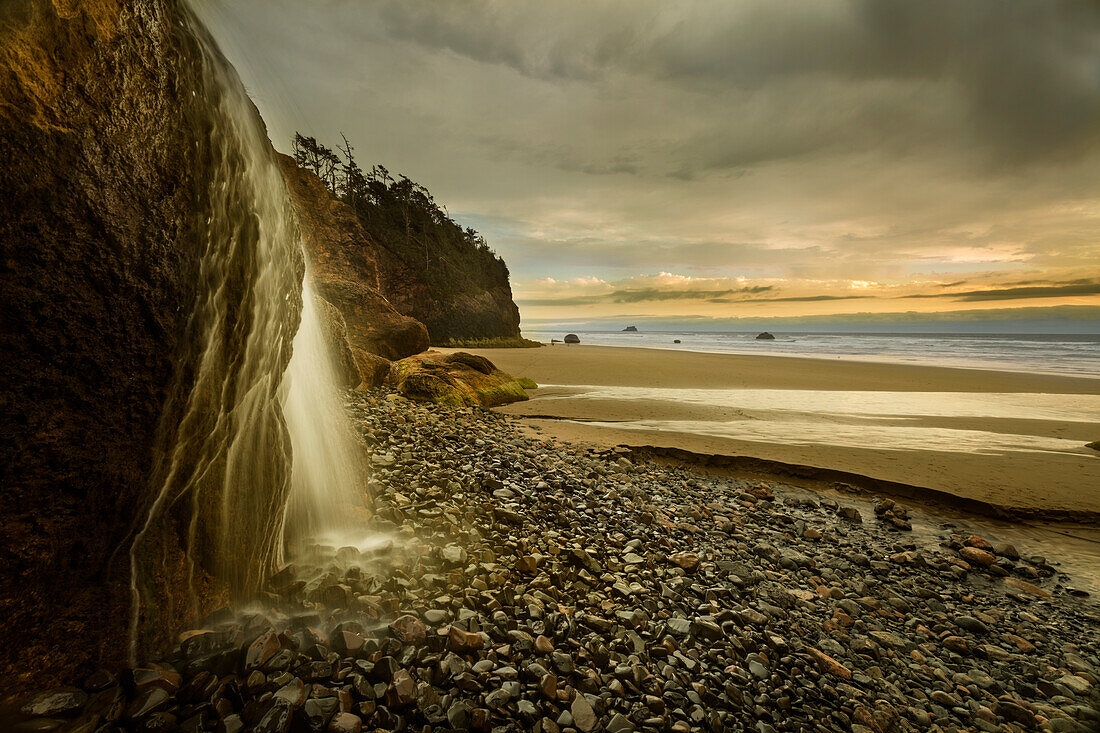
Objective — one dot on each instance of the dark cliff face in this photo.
(481, 310)
(488, 313)
(105, 146)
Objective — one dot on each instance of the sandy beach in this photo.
(1007, 439)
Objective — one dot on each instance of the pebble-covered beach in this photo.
(516, 584)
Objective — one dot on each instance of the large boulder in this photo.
(458, 379)
(345, 269)
(110, 149)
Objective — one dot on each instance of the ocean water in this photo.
(1067, 354)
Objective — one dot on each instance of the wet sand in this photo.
(1007, 439)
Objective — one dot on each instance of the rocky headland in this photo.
(382, 341)
(391, 236)
(345, 269)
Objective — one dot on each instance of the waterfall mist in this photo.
(260, 451)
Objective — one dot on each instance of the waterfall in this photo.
(328, 464)
(255, 443)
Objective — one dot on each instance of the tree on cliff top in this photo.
(312, 155)
(402, 216)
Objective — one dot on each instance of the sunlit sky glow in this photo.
(720, 160)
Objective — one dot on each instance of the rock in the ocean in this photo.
(630, 329)
(572, 338)
(765, 336)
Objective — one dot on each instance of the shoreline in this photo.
(784, 370)
(1005, 443)
(962, 364)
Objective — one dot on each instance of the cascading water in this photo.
(328, 467)
(262, 448)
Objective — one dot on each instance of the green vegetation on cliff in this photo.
(440, 273)
(498, 342)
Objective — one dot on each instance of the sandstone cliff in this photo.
(474, 313)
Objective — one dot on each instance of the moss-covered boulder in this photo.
(459, 379)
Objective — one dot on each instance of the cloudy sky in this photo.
(714, 161)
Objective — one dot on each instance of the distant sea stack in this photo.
(631, 329)
(572, 338)
(765, 337)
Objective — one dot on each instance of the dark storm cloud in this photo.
(805, 299)
(878, 140)
(649, 295)
(1022, 72)
(1080, 287)
(1018, 283)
